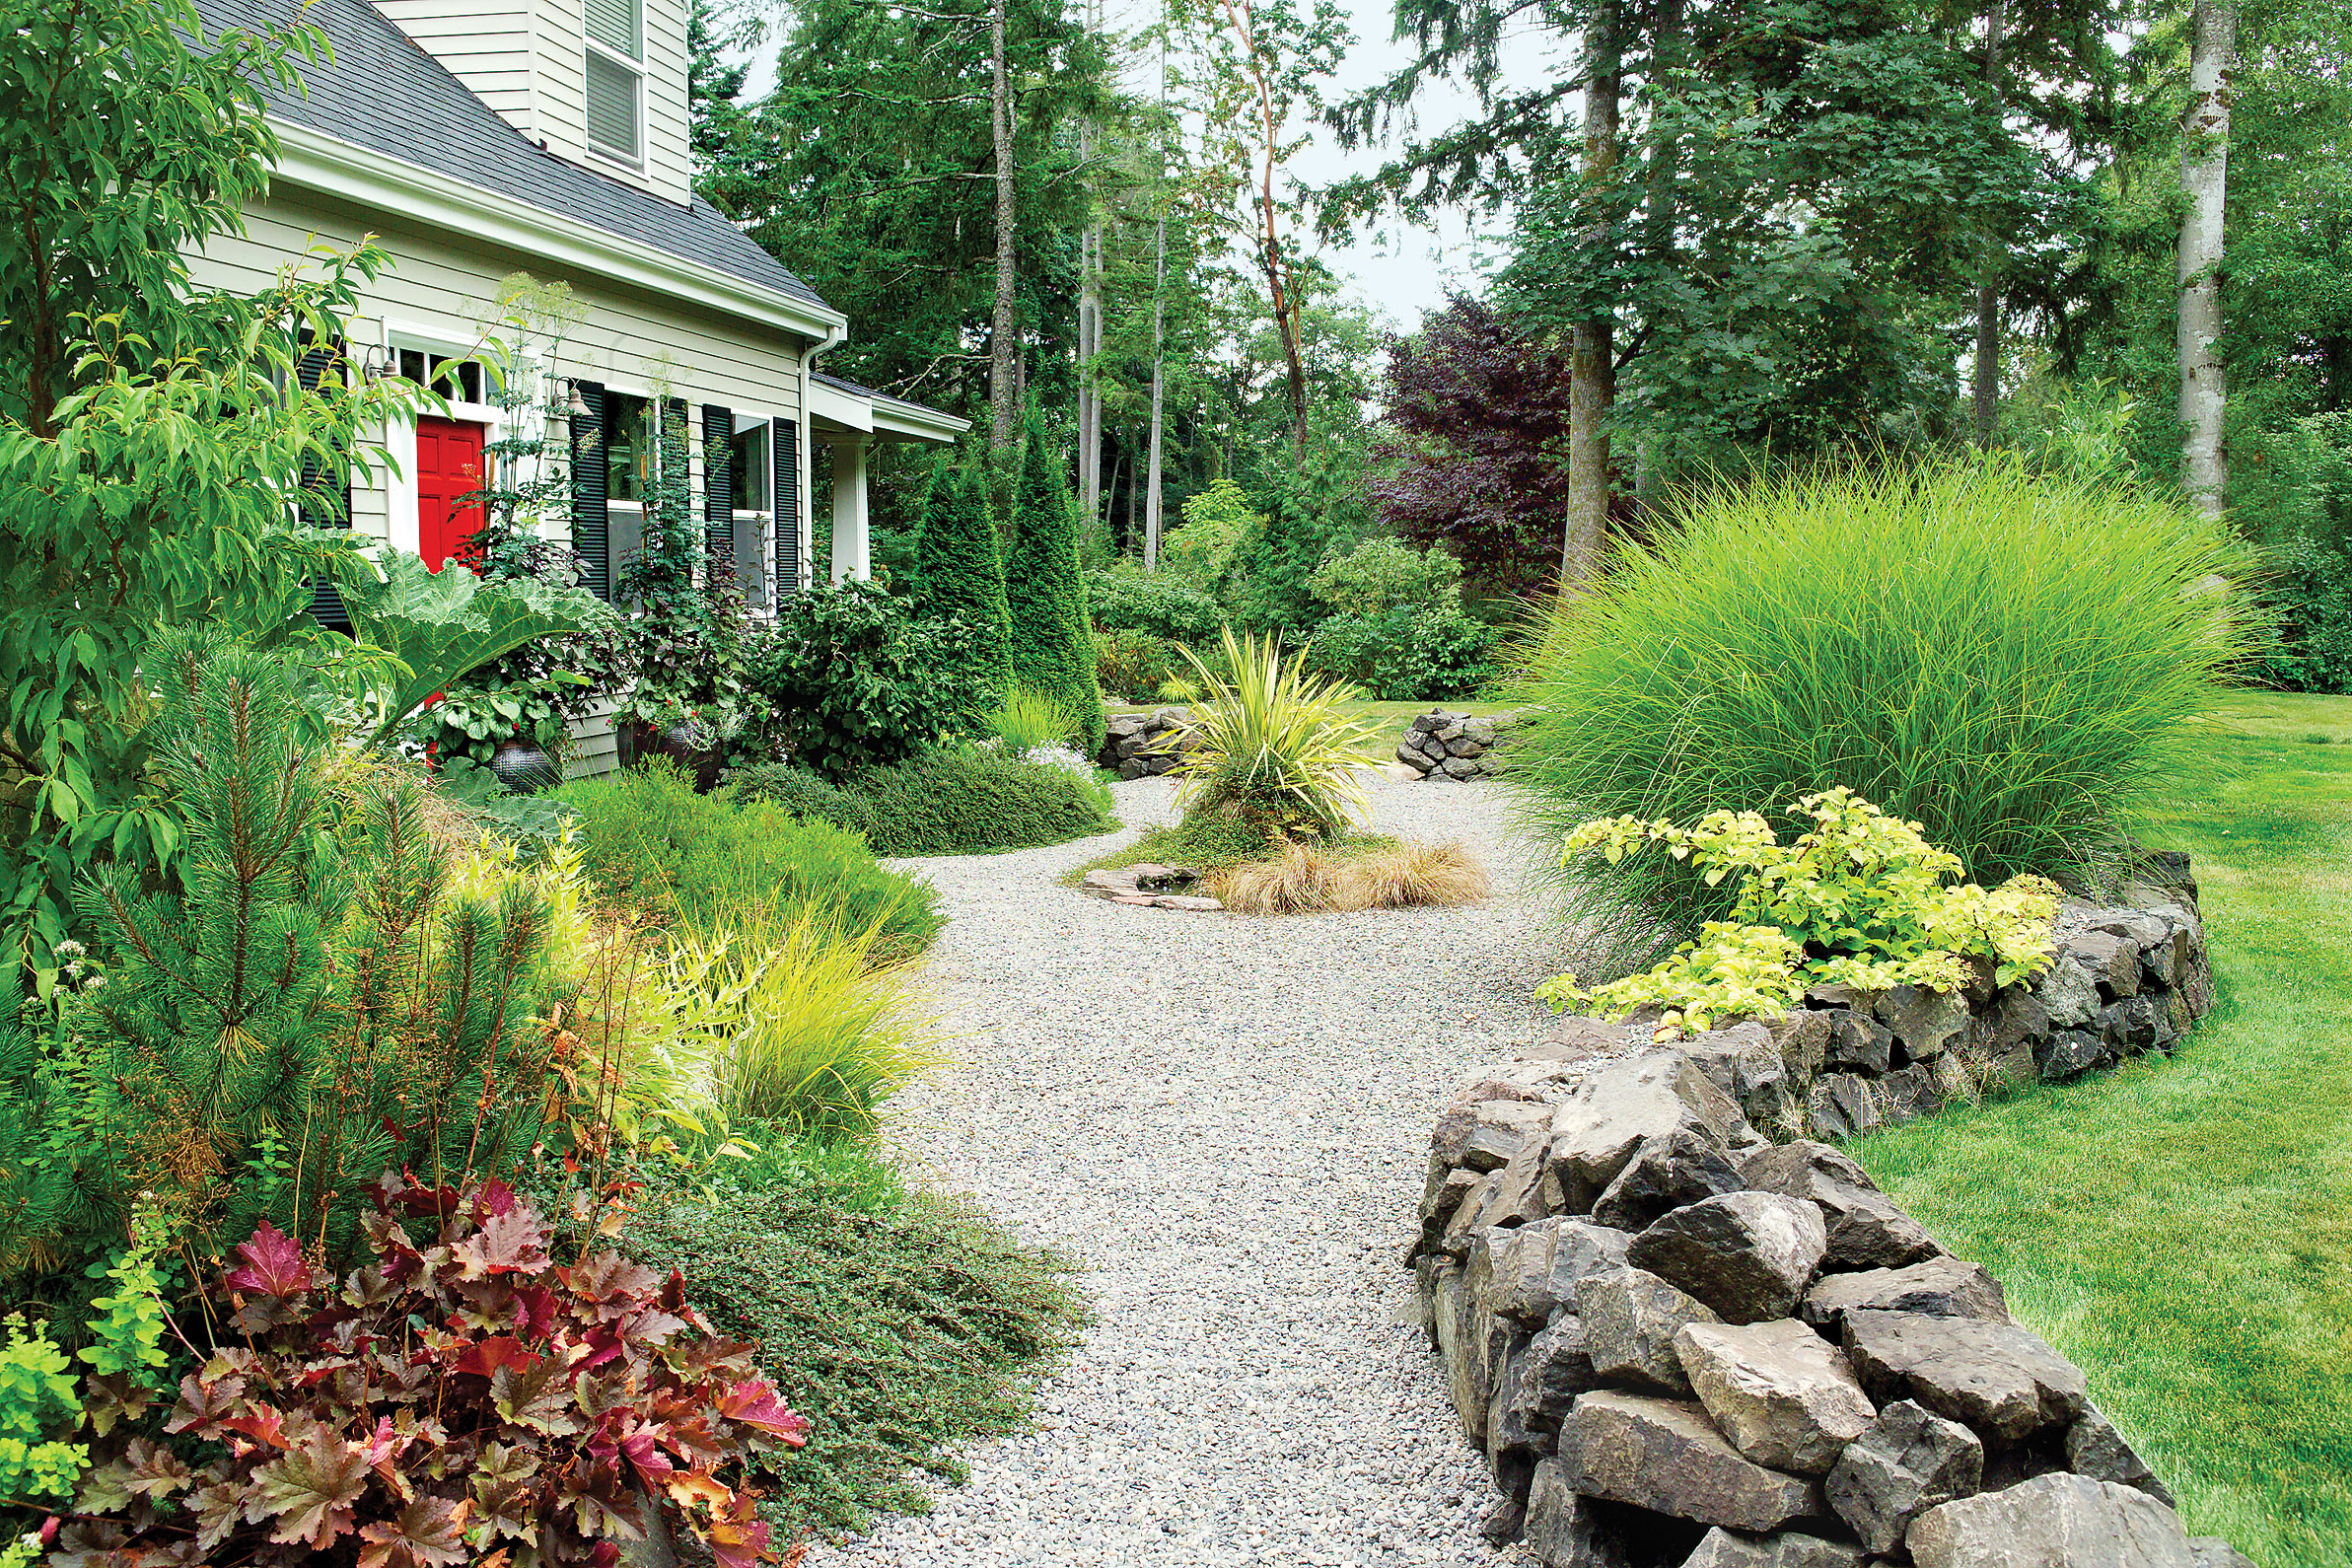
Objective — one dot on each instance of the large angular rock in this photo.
(1515, 1195)
(1559, 1367)
(1803, 1038)
(1748, 1255)
(1665, 1456)
(1630, 1321)
(1484, 1134)
(1746, 1062)
(1911, 1460)
(2067, 991)
(1595, 1131)
(2052, 1522)
(1512, 1442)
(2113, 962)
(1909, 1093)
(1779, 1393)
(2211, 1551)
(1842, 1105)
(1998, 1379)
(1866, 1228)
(1862, 1042)
(1786, 1549)
(1664, 1175)
(1535, 1268)
(1563, 1528)
(1925, 1023)
(2093, 1448)
(1941, 1287)
(2068, 1053)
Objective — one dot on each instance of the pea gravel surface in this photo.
(1225, 1119)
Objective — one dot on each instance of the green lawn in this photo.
(2184, 1228)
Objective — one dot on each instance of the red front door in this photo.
(449, 468)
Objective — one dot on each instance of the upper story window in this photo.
(617, 78)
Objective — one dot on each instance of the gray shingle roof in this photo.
(383, 92)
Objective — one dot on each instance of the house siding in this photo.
(438, 293)
(487, 47)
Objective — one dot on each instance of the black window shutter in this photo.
(784, 491)
(718, 489)
(592, 520)
(326, 497)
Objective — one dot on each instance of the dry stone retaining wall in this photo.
(1682, 1342)
(1455, 746)
(1146, 745)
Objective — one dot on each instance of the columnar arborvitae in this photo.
(1052, 641)
(959, 574)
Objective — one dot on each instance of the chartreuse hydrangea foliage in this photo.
(462, 1399)
(1860, 899)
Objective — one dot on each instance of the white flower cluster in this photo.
(1063, 758)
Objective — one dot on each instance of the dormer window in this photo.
(616, 79)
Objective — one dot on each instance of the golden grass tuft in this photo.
(1306, 879)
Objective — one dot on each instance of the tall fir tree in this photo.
(1052, 637)
(959, 574)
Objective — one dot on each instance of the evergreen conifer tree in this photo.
(959, 574)
(1052, 636)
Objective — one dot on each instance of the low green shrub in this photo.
(701, 862)
(2002, 658)
(2310, 588)
(848, 678)
(1860, 899)
(952, 800)
(1385, 574)
(1405, 654)
(1156, 604)
(901, 1325)
(1132, 666)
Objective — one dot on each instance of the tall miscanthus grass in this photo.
(1274, 746)
(1028, 720)
(2004, 658)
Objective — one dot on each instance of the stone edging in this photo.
(1682, 1344)
(1149, 886)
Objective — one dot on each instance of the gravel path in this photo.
(1225, 1118)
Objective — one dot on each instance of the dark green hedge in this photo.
(952, 800)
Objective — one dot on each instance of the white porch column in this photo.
(852, 549)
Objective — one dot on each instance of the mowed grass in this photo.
(2183, 1228)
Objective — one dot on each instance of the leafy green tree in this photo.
(152, 433)
(1052, 640)
(960, 573)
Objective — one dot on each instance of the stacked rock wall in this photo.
(1682, 1344)
(1146, 745)
(1455, 746)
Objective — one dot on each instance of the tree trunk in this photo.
(1004, 360)
(1150, 494)
(1658, 219)
(1283, 298)
(1592, 374)
(2204, 177)
(1987, 390)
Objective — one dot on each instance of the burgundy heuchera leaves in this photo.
(462, 1400)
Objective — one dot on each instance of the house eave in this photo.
(897, 421)
(314, 161)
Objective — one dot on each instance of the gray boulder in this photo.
(1781, 1394)
(1663, 1455)
(2113, 962)
(1595, 1131)
(2067, 991)
(1559, 1367)
(1788, 1549)
(1911, 1460)
(1630, 1321)
(2052, 1522)
(1748, 1255)
(1941, 1287)
(1664, 1175)
(1535, 1268)
(1803, 1038)
(1866, 1228)
(1925, 1023)
(1746, 1062)
(2093, 1448)
(1862, 1042)
(1842, 1105)
(2000, 1380)
(1563, 1529)
(2068, 1053)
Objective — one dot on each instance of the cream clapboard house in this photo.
(478, 138)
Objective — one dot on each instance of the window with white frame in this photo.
(616, 79)
(748, 466)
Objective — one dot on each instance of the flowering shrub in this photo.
(1860, 901)
(464, 1401)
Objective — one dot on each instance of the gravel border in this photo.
(1225, 1118)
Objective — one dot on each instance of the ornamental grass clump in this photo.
(1860, 900)
(1275, 745)
(1311, 879)
(2003, 658)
